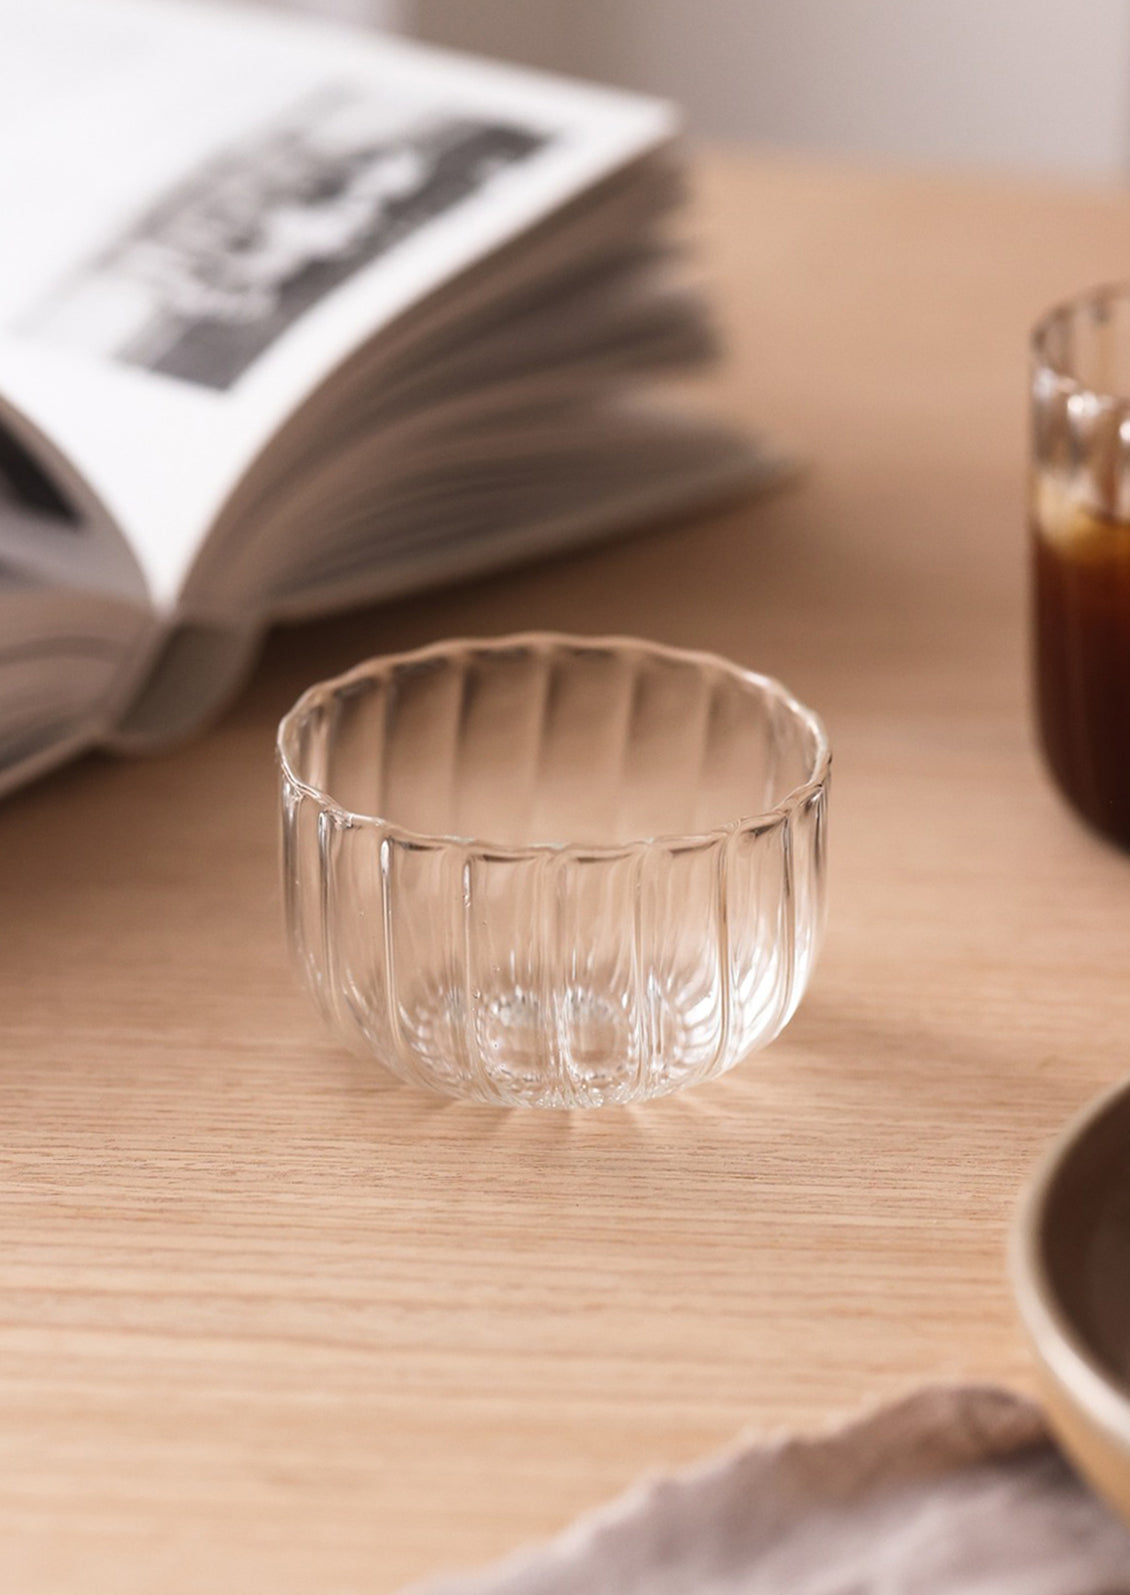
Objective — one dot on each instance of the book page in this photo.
(215, 206)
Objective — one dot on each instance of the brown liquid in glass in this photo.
(1082, 632)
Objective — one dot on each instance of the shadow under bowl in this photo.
(1070, 1265)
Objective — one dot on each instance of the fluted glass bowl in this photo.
(554, 871)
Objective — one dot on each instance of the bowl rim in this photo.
(1062, 1349)
(349, 818)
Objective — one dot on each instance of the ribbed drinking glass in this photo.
(1080, 538)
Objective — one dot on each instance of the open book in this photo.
(294, 317)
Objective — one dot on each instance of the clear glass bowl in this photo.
(554, 871)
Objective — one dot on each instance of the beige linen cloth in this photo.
(951, 1490)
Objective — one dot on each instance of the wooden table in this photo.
(267, 1327)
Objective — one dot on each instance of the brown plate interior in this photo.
(1085, 1238)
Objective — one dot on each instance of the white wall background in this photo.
(390, 14)
(1031, 85)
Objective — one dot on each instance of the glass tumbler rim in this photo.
(1056, 374)
(386, 664)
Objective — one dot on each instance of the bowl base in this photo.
(587, 1046)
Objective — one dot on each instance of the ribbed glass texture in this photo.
(554, 871)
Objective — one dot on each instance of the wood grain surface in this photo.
(268, 1326)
